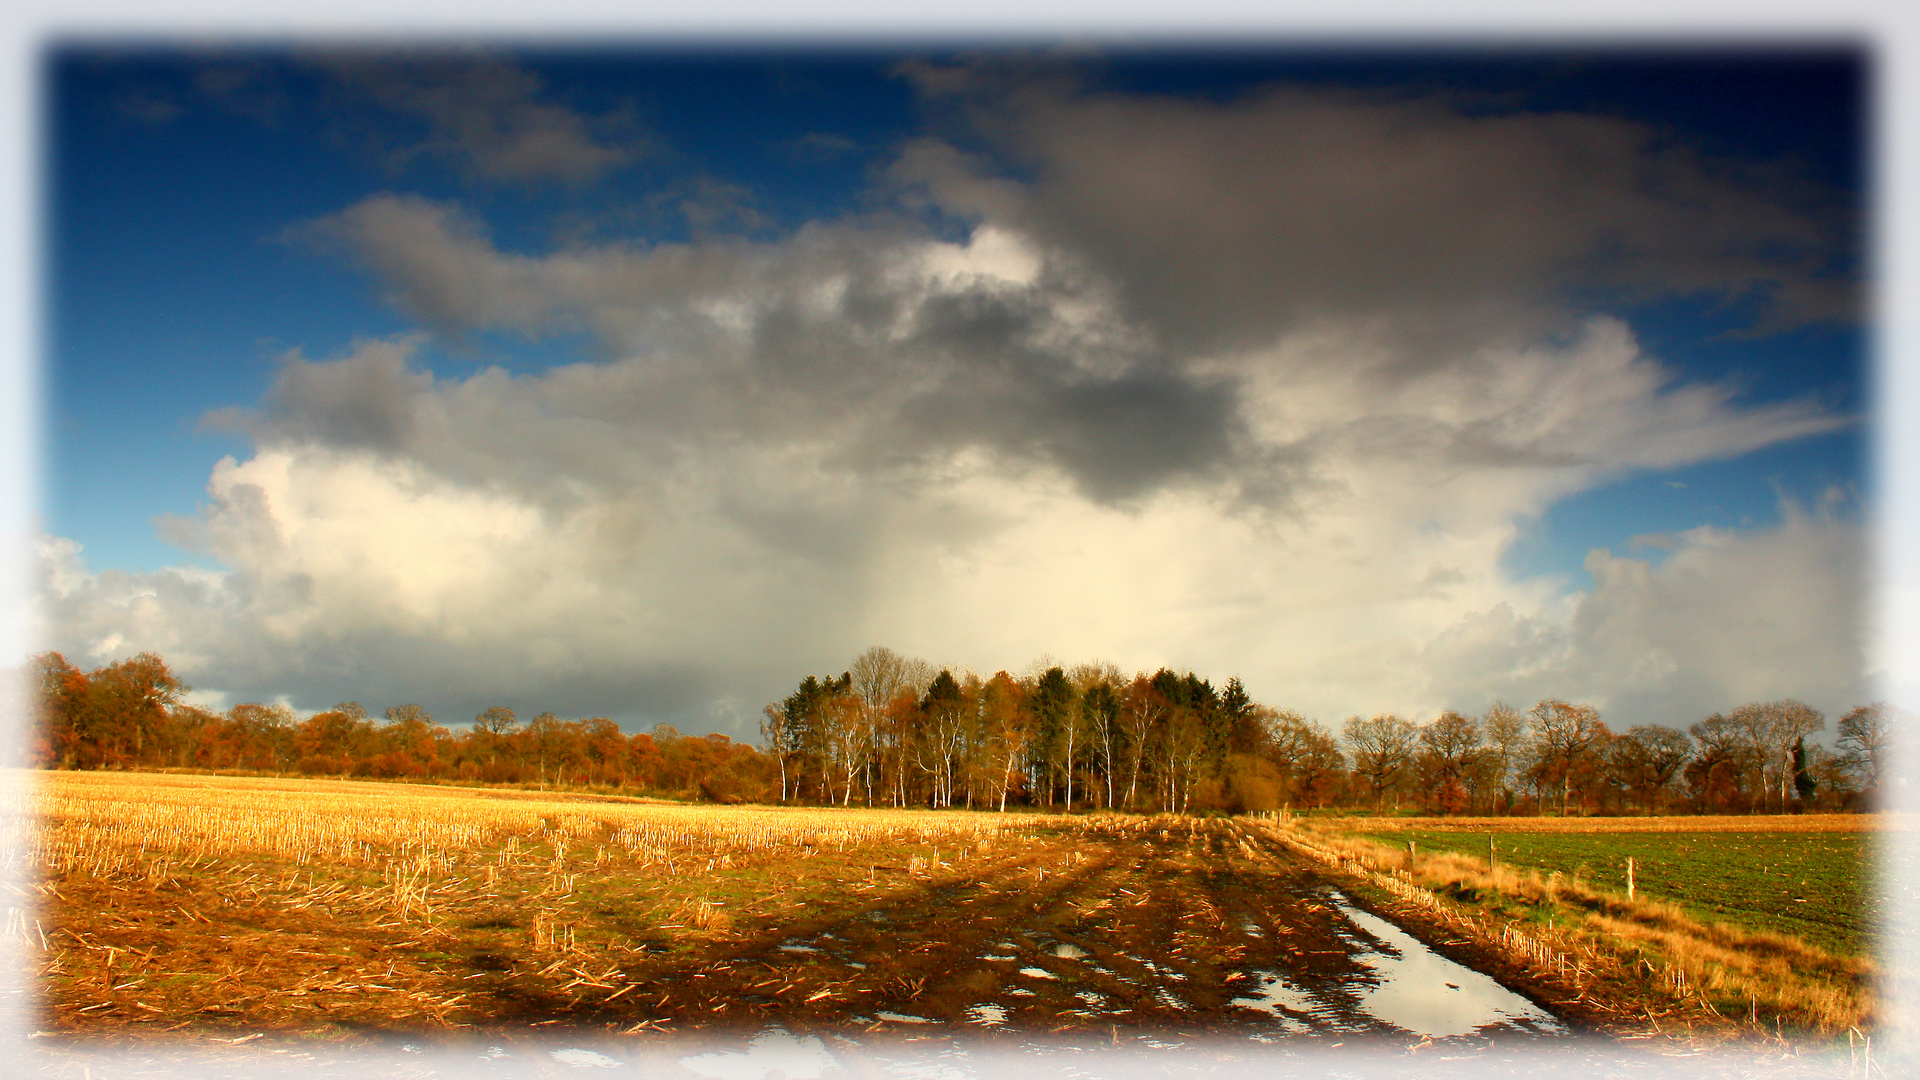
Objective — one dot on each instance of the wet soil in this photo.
(1123, 930)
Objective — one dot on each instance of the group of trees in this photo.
(1561, 756)
(130, 714)
(891, 730)
(895, 731)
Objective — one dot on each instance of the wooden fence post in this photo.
(1629, 877)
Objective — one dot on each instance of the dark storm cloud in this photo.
(1118, 439)
(366, 402)
(1196, 229)
(840, 331)
(1225, 224)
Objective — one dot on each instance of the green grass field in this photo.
(1818, 886)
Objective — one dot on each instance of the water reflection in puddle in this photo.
(1277, 997)
(987, 1014)
(583, 1059)
(1418, 990)
(772, 1049)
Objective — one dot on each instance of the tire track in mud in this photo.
(1138, 927)
(929, 954)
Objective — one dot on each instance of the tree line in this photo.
(130, 714)
(892, 730)
(895, 731)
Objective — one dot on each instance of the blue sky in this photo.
(1375, 347)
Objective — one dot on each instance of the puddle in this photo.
(1069, 952)
(987, 1014)
(903, 1018)
(1019, 991)
(1277, 997)
(772, 1050)
(929, 1070)
(1092, 997)
(1038, 973)
(798, 948)
(990, 956)
(1252, 928)
(942, 1065)
(1281, 1000)
(1421, 991)
(584, 1059)
(1168, 998)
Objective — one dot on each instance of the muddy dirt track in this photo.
(1191, 927)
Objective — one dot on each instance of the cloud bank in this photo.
(1264, 387)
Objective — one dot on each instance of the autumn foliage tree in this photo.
(893, 730)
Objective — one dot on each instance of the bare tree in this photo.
(1867, 739)
(1647, 759)
(1565, 738)
(1449, 745)
(1141, 710)
(778, 731)
(1381, 748)
(1505, 732)
(879, 674)
(877, 677)
(1770, 729)
(1793, 721)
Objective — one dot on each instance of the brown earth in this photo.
(1111, 929)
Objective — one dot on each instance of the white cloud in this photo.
(1727, 617)
(1065, 433)
(651, 576)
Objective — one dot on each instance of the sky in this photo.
(643, 382)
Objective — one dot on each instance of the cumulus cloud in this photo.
(1727, 617)
(1263, 388)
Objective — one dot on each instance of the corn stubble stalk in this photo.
(399, 854)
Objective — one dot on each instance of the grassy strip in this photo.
(1766, 978)
(1812, 885)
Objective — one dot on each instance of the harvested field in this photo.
(337, 910)
(221, 908)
